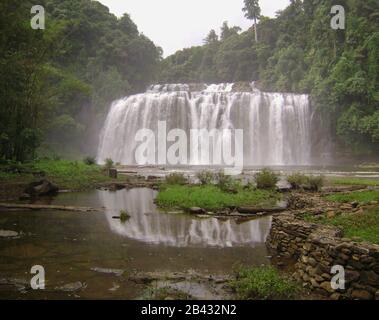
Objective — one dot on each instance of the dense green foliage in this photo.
(298, 51)
(264, 283)
(211, 197)
(297, 180)
(56, 84)
(360, 226)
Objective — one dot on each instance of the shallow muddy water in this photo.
(90, 255)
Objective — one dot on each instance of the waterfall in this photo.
(276, 126)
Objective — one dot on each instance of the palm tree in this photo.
(252, 12)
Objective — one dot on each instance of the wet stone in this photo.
(8, 234)
(361, 295)
(72, 287)
(116, 272)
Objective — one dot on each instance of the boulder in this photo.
(116, 187)
(371, 278)
(41, 188)
(8, 234)
(346, 206)
(352, 276)
(112, 173)
(327, 287)
(196, 210)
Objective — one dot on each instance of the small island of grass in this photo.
(218, 191)
(211, 197)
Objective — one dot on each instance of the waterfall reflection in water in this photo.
(147, 224)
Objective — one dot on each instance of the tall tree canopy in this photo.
(56, 84)
(252, 12)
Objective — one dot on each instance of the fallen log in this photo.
(252, 210)
(46, 207)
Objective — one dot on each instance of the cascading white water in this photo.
(276, 126)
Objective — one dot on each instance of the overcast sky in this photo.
(177, 24)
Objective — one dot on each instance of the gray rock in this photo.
(196, 210)
(361, 295)
(41, 188)
(72, 287)
(327, 287)
(117, 272)
(335, 296)
(8, 234)
(351, 276)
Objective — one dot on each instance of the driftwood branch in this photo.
(249, 210)
(46, 207)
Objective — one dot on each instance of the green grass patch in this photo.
(360, 226)
(14, 177)
(75, 175)
(264, 283)
(72, 174)
(211, 197)
(349, 181)
(363, 196)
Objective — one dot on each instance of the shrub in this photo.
(297, 180)
(108, 163)
(266, 179)
(124, 216)
(224, 182)
(264, 283)
(176, 179)
(89, 160)
(315, 183)
(205, 177)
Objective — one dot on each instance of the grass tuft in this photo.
(266, 179)
(176, 179)
(263, 283)
(352, 181)
(360, 226)
(73, 175)
(362, 196)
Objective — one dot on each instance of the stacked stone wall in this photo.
(317, 248)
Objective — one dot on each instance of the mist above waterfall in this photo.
(276, 126)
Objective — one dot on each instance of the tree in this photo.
(227, 32)
(212, 37)
(252, 12)
(57, 84)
